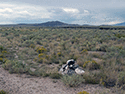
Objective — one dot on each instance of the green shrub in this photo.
(54, 59)
(109, 78)
(59, 54)
(2, 92)
(35, 73)
(28, 43)
(59, 45)
(7, 65)
(55, 76)
(4, 51)
(72, 80)
(1, 48)
(91, 65)
(45, 74)
(102, 48)
(2, 56)
(41, 55)
(84, 51)
(83, 92)
(39, 72)
(41, 50)
(120, 35)
(109, 82)
(32, 46)
(40, 60)
(15, 66)
(24, 38)
(121, 79)
(1, 59)
(91, 79)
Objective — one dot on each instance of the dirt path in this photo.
(24, 84)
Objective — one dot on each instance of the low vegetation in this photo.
(42, 51)
(83, 92)
(3, 92)
(72, 80)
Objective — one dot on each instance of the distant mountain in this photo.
(52, 24)
(85, 25)
(120, 24)
(65, 25)
(46, 24)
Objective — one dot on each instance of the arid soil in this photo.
(26, 84)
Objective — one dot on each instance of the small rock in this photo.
(32, 69)
(79, 71)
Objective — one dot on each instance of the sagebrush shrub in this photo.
(83, 92)
(2, 92)
(1, 59)
(109, 78)
(41, 55)
(91, 65)
(121, 79)
(91, 79)
(15, 66)
(59, 53)
(41, 50)
(40, 60)
(58, 45)
(1, 48)
(32, 46)
(84, 51)
(72, 80)
(2, 56)
(55, 76)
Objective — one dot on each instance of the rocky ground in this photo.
(26, 84)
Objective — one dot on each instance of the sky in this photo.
(93, 12)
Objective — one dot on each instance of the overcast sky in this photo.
(94, 12)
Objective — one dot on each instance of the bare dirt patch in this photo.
(26, 84)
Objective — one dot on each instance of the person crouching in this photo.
(69, 64)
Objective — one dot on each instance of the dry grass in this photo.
(40, 48)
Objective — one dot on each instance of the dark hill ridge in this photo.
(65, 25)
(46, 24)
(52, 24)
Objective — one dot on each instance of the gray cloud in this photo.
(70, 11)
(73, 3)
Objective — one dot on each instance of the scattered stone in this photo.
(32, 69)
(79, 71)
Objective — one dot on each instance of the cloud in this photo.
(86, 11)
(4, 22)
(78, 12)
(70, 10)
(24, 12)
(113, 22)
(6, 10)
(13, 12)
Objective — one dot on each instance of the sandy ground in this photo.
(26, 84)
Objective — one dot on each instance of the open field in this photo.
(40, 52)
